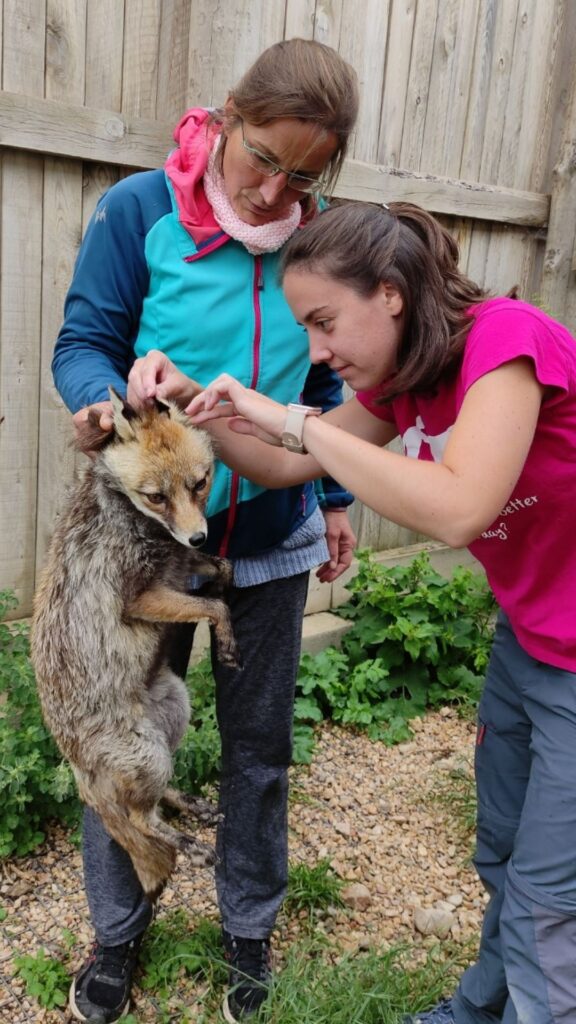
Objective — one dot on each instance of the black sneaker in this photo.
(249, 976)
(441, 1014)
(100, 992)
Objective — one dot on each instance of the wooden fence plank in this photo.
(173, 61)
(62, 210)
(65, 130)
(363, 43)
(140, 63)
(299, 19)
(225, 41)
(418, 85)
(65, 50)
(24, 33)
(61, 129)
(442, 195)
(103, 55)
(397, 71)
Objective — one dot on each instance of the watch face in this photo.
(291, 441)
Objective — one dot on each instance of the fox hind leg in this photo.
(197, 807)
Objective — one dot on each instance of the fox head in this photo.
(163, 464)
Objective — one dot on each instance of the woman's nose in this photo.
(319, 353)
(272, 188)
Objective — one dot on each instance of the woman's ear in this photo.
(392, 299)
(231, 116)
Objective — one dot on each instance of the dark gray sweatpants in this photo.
(526, 843)
(255, 713)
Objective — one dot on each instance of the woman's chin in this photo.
(253, 215)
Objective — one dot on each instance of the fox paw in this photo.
(201, 810)
(200, 854)
(229, 655)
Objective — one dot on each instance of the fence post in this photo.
(558, 288)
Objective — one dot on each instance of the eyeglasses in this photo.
(264, 165)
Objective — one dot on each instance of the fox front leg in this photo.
(218, 571)
(161, 604)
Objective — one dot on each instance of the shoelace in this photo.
(251, 957)
(111, 960)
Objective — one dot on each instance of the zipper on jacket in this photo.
(257, 287)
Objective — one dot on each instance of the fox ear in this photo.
(124, 413)
(162, 407)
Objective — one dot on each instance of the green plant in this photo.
(456, 792)
(173, 948)
(197, 760)
(35, 784)
(46, 979)
(417, 641)
(312, 888)
(377, 987)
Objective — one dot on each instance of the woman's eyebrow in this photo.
(314, 312)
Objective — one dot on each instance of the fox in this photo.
(114, 581)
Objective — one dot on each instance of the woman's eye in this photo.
(156, 498)
(325, 325)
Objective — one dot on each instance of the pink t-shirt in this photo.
(529, 551)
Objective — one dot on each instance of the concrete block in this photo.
(319, 595)
(322, 630)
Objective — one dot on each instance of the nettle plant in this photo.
(35, 784)
(418, 640)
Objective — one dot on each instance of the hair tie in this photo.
(386, 207)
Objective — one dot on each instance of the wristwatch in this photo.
(294, 426)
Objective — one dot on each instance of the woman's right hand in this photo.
(155, 376)
(248, 412)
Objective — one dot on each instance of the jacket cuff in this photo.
(330, 496)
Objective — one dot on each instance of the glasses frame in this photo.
(299, 182)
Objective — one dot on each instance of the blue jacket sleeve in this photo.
(323, 387)
(103, 306)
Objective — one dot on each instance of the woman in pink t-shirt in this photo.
(482, 392)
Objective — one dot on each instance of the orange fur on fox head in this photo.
(163, 464)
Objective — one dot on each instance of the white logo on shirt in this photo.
(416, 436)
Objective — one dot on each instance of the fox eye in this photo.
(200, 485)
(156, 498)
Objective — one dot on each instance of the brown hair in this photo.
(299, 78)
(363, 245)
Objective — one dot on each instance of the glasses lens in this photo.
(304, 184)
(263, 164)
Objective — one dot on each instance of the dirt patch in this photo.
(371, 810)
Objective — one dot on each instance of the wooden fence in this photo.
(468, 107)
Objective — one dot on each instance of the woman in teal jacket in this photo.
(182, 263)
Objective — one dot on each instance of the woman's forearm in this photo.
(264, 464)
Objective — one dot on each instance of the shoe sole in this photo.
(227, 1012)
(80, 1016)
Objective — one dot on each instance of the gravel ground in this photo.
(372, 810)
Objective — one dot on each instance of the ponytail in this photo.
(363, 245)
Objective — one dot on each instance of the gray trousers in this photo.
(255, 714)
(526, 843)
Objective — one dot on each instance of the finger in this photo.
(241, 426)
(202, 415)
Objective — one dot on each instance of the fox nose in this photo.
(197, 539)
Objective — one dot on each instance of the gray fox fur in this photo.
(114, 581)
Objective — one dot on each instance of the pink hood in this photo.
(185, 168)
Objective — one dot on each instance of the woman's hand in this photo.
(156, 376)
(341, 541)
(248, 411)
(91, 424)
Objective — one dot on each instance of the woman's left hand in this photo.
(155, 376)
(248, 411)
(341, 541)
